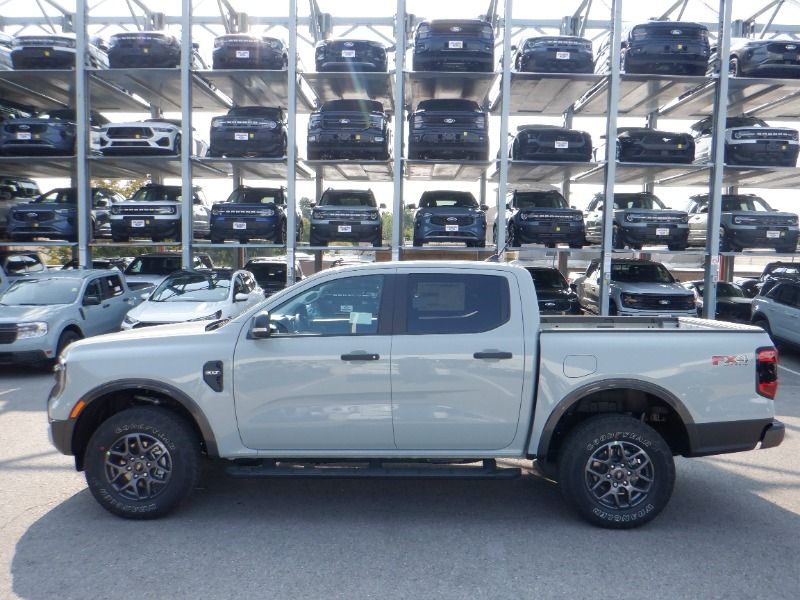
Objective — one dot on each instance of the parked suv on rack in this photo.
(661, 47)
(553, 54)
(154, 212)
(637, 288)
(748, 141)
(151, 136)
(349, 129)
(449, 216)
(149, 49)
(553, 293)
(778, 312)
(249, 131)
(550, 142)
(639, 218)
(747, 221)
(6, 42)
(14, 190)
(448, 128)
(150, 269)
(54, 215)
(249, 51)
(640, 144)
(55, 51)
(51, 132)
(350, 55)
(542, 216)
(250, 213)
(762, 58)
(454, 45)
(346, 215)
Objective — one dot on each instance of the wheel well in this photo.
(73, 328)
(647, 407)
(116, 401)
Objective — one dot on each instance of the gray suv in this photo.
(747, 222)
(449, 216)
(778, 312)
(639, 218)
(347, 215)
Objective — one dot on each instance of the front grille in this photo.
(450, 120)
(653, 302)
(764, 134)
(573, 137)
(346, 215)
(545, 216)
(641, 218)
(461, 221)
(351, 122)
(34, 216)
(8, 333)
(144, 210)
(239, 212)
(13, 128)
(780, 47)
(116, 133)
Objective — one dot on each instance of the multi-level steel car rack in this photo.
(505, 93)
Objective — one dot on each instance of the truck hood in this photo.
(25, 314)
(674, 289)
(174, 312)
(37, 206)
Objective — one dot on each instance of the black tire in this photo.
(417, 243)
(725, 244)
(733, 67)
(213, 154)
(617, 240)
(120, 239)
(576, 246)
(123, 443)
(512, 241)
(677, 247)
(613, 311)
(65, 339)
(217, 240)
(762, 322)
(280, 235)
(377, 242)
(315, 241)
(300, 230)
(786, 248)
(177, 147)
(313, 155)
(616, 471)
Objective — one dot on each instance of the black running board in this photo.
(377, 469)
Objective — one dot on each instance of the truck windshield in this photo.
(157, 194)
(42, 291)
(642, 201)
(724, 290)
(347, 200)
(193, 287)
(456, 200)
(551, 199)
(641, 273)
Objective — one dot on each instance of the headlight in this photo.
(210, 317)
(62, 211)
(165, 210)
(480, 122)
(416, 123)
(129, 320)
(374, 216)
(215, 212)
(427, 214)
(270, 124)
(523, 216)
(315, 121)
(31, 330)
(163, 129)
(683, 219)
(115, 210)
(793, 221)
(629, 218)
(629, 300)
(577, 217)
(16, 43)
(266, 212)
(218, 43)
(275, 44)
(216, 123)
(376, 122)
(315, 214)
(737, 135)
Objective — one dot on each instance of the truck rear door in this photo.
(457, 360)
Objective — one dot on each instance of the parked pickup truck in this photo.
(413, 369)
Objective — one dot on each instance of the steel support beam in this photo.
(711, 269)
(505, 107)
(611, 156)
(291, 149)
(187, 141)
(398, 214)
(82, 140)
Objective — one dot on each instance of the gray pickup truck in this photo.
(413, 369)
(42, 313)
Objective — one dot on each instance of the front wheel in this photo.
(616, 471)
(66, 338)
(142, 462)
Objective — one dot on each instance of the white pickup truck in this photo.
(414, 369)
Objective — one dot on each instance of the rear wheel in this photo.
(120, 238)
(616, 471)
(142, 462)
(617, 242)
(733, 67)
(280, 236)
(417, 242)
(786, 248)
(217, 240)
(764, 324)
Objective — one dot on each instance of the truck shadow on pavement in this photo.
(289, 539)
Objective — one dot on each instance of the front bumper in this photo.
(267, 143)
(658, 56)
(538, 152)
(425, 231)
(240, 228)
(359, 231)
(43, 57)
(648, 233)
(151, 227)
(42, 145)
(444, 144)
(538, 232)
(734, 436)
(757, 237)
(367, 66)
(147, 56)
(52, 229)
(61, 435)
(249, 57)
(360, 144)
(776, 153)
(546, 60)
(476, 61)
(23, 357)
(639, 152)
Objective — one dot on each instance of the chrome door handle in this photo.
(493, 354)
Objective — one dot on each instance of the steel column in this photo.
(82, 140)
(398, 214)
(718, 166)
(505, 105)
(187, 141)
(291, 149)
(611, 156)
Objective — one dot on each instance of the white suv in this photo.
(778, 312)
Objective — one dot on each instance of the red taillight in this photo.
(767, 372)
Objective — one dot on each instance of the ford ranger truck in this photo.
(414, 369)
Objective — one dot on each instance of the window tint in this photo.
(348, 306)
(21, 263)
(93, 290)
(786, 294)
(112, 286)
(439, 303)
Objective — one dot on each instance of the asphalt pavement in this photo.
(731, 530)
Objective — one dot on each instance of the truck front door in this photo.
(458, 361)
(321, 380)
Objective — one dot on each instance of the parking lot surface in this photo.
(731, 530)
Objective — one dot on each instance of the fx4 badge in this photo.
(735, 360)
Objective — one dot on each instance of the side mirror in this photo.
(313, 203)
(484, 207)
(195, 46)
(513, 47)
(260, 327)
(240, 297)
(508, 205)
(91, 301)
(391, 48)
(411, 206)
(382, 206)
(573, 287)
(572, 206)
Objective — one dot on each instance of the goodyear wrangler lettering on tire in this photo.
(616, 471)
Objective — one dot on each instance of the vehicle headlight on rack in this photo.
(523, 216)
(315, 214)
(417, 122)
(31, 330)
(163, 129)
(266, 212)
(270, 124)
(210, 317)
(374, 216)
(629, 300)
(218, 43)
(165, 210)
(115, 210)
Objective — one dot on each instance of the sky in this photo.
(701, 10)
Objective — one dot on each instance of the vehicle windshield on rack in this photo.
(732, 303)
(249, 131)
(449, 216)
(270, 272)
(343, 129)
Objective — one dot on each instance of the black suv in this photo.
(668, 47)
(542, 217)
(454, 45)
(640, 144)
(149, 49)
(249, 131)
(55, 51)
(449, 216)
(554, 54)
(248, 51)
(252, 212)
(270, 272)
(347, 215)
(349, 129)
(762, 58)
(639, 218)
(448, 128)
(51, 132)
(549, 142)
(553, 293)
(350, 55)
(746, 221)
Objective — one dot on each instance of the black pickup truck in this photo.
(454, 45)
(448, 128)
(253, 131)
(349, 129)
(350, 55)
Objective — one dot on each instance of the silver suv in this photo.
(778, 312)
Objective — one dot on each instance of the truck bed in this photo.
(549, 324)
